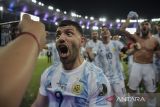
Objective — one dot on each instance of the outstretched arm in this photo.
(17, 62)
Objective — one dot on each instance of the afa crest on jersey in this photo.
(77, 88)
(113, 49)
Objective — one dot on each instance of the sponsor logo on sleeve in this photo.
(102, 90)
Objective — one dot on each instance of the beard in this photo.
(144, 32)
(106, 39)
(72, 57)
(95, 39)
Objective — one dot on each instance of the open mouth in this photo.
(144, 29)
(63, 51)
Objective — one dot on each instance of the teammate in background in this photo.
(49, 55)
(123, 56)
(92, 46)
(55, 56)
(74, 82)
(142, 68)
(108, 59)
(17, 61)
(83, 49)
(52, 47)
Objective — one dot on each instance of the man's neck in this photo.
(147, 36)
(74, 64)
(105, 42)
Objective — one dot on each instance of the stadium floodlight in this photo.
(1, 8)
(141, 20)
(118, 25)
(123, 20)
(87, 27)
(77, 15)
(88, 23)
(155, 19)
(80, 22)
(103, 24)
(73, 14)
(50, 7)
(42, 4)
(83, 26)
(11, 6)
(36, 12)
(86, 17)
(103, 19)
(110, 25)
(25, 9)
(133, 21)
(39, 3)
(91, 18)
(95, 28)
(54, 19)
(65, 12)
(57, 10)
(56, 23)
(34, 1)
(117, 20)
(46, 16)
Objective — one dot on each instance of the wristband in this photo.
(33, 36)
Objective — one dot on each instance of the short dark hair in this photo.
(146, 21)
(72, 23)
(104, 26)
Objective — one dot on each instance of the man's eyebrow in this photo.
(69, 29)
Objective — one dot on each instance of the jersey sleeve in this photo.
(119, 45)
(101, 94)
(42, 89)
(89, 44)
(98, 58)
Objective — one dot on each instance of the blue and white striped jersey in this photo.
(84, 86)
(108, 59)
(93, 45)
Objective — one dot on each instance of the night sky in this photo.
(111, 9)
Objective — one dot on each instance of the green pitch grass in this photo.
(33, 87)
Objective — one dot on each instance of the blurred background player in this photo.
(92, 46)
(108, 59)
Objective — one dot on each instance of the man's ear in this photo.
(82, 40)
